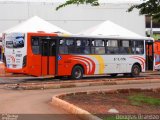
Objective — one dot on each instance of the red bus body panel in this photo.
(44, 65)
(52, 67)
(66, 64)
(40, 63)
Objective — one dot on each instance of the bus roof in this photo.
(105, 37)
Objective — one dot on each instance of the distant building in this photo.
(155, 32)
(155, 28)
(71, 18)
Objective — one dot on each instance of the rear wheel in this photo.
(135, 71)
(77, 72)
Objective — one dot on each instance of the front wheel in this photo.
(135, 71)
(77, 72)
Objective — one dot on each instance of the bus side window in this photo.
(112, 47)
(82, 46)
(98, 47)
(70, 45)
(52, 47)
(126, 47)
(35, 45)
(87, 46)
(62, 47)
(139, 47)
(62, 42)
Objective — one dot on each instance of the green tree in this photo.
(69, 2)
(148, 7)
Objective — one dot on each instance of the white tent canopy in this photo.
(110, 29)
(35, 24)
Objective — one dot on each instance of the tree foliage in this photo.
(69, 2)
(148, 7)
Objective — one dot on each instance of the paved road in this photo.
(38, 101)
(20, 78)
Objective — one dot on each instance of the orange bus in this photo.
(42, 54)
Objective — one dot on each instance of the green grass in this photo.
(140, 99)
(110, 118)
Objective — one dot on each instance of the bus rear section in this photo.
(15, 54)
(30, 53)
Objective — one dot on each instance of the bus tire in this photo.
(77, 73)
(135, 70)
(113, 75)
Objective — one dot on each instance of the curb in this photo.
(85, 115)
(35, 86)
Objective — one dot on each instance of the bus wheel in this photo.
(113, 75)
(77, 72)
(135, 71)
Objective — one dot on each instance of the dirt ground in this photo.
(99, 104)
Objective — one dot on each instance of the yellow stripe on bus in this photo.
(101, 63)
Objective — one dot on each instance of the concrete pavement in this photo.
(38, 101)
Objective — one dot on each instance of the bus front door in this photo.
(48, 63)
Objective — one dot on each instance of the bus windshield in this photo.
(15, 41)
